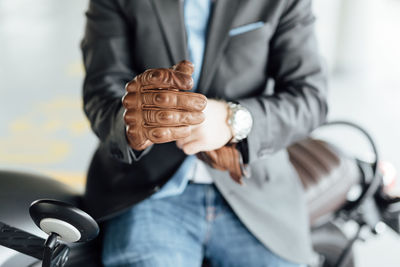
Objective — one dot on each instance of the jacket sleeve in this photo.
(298, 103)
(107, 61)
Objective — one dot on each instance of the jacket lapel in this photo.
(172, 27)
(174, 34)
(220, 24)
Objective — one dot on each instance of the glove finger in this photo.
(235, 177)
(136, 138)
(234, 167)
(162, 118)
(184, 66)
(164, 79)
(131, 100)
(204, 157)
(142, 146)
(133, 118)
(211, 158)
(159, 135)
(178, 100)
(133, 86)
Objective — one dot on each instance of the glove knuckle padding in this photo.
(161, 117)
(172, 118)
(165, 78)
(162, 99)
(152, 77)
(167, 134)
(157, 135)
(168, 117)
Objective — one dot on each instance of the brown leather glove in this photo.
(156, 108)
(227, 158)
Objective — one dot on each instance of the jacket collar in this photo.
(174, 34)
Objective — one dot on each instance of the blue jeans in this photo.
(180, 231)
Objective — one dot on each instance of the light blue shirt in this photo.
(196, 15)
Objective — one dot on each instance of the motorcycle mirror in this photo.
(69, 223)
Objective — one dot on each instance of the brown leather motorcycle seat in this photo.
(326, 174)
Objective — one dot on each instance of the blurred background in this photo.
(43, 129)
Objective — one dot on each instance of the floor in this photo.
(43, 128)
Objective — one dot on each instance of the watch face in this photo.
(244, 118)
(242, 123)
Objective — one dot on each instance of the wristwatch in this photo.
(240, 121)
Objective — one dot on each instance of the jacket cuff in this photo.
(257, 140)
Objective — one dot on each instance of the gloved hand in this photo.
(156, 108)
(227, 158)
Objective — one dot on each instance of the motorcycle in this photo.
(339, 188)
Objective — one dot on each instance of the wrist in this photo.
(227, 116)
